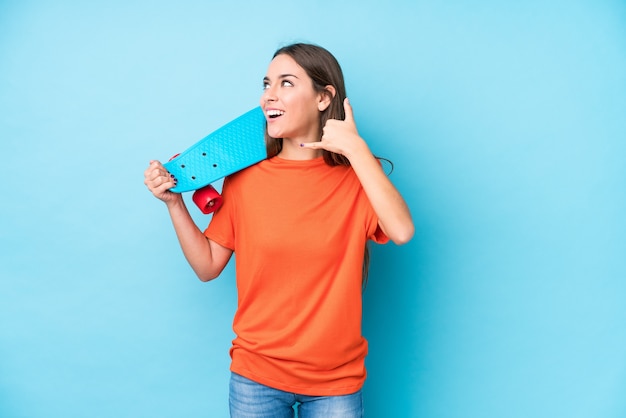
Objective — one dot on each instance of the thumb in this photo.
(347, 107)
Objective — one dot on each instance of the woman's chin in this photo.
(275, 133)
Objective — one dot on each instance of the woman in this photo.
(298, 223)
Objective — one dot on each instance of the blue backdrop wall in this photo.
(506, 125)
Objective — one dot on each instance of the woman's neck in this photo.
(293, 151)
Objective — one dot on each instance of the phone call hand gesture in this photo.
(340, 136)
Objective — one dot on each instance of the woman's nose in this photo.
(269, 95)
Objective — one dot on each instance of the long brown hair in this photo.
(324, 69)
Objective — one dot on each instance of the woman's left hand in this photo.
(339, 136)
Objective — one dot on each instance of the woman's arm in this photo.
(393, 213)
(207, 258)
(342, 137)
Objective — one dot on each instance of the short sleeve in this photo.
(221, 229)
(374, 231)
(379, 237)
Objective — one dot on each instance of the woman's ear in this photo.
(326, 97)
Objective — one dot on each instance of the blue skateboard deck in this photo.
(233, 147)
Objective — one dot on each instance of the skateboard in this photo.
(233, 147)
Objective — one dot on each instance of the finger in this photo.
(161, 184)
(156, 177)
(154, 174)
(170, 180)
(154, 166)
(156, 171)
(347, 107)
(148, 170)
(167, 184)
(161, 192)
(311, 145)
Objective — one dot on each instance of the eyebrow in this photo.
(266, 78)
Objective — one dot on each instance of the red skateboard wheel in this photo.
(207, 199)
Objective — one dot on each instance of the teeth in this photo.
(274, 113)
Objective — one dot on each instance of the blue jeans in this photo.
(249, 399)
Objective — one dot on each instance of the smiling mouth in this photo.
(273, 114)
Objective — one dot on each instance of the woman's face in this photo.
(290, 103)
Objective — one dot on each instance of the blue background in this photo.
(506, 124)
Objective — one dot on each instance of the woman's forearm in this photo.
(206, 258)
(390, 207)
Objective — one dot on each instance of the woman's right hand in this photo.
(159, 181)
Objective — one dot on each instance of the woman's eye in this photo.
(284, 83)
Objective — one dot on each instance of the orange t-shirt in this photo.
(298, 230)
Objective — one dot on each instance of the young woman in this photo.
(298, 223)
